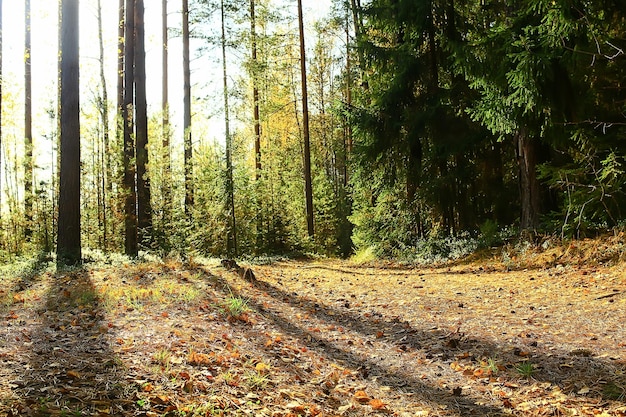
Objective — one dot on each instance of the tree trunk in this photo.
(144, 206)
(28, 127)
(166, 163)
(529, 185)
(120, 67)
(68, 238)
(117, 203)
(257, 125)
(1, 82)
(104, 115)
(130, 196)
(308, 183)
(255, 93)
(187, 144)
(231, 242)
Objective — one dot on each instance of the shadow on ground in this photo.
(554, 367)
(67, 366)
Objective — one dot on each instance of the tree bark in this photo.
(529, 185)
(104, 115)
(130, 197)
(166, 163)
(231, 240)
(308, 183)
(28, 126)
(120, 66)
(68, 234)
(187, 144)
(1, 82)
(144, 206)
(255, 93)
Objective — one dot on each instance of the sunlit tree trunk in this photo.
(308, 187)
(28, 124)
(231, 241)
(130, 197)
(257, 124)
(166, 165)
(144, 206)
(349, 133)
(1, 82)
(68, 235)
(120, 67)
(255, 93)
(106, 155)
(187, 144)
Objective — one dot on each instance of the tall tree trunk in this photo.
(526, 148)
(130, 192)
(257, 126)
(144, 206)
(104, 115)
(187, 144)
(166, 179)
(255, 93)
(117, 203)
(349, 132)
(120, 68)
(28, 126)
(68, 235)
(231, 239)
(308, 183)
(1, 82)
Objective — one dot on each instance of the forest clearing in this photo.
(540, 333)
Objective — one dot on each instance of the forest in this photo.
(266, 208)
(390, 129)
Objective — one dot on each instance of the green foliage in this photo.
(235, 306)
(418, 161)
(525, 369)
(592, 188)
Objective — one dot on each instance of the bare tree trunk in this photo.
(1, 82)
(187, 144)
(130, 197)
(28, 127)
(166, 164)
(68, 237)
(308, 187)
(106, 156)
(231, 242)
(120, 66)
(349, 132)
(116, 203)
(255, 93)
(529, 185)
(257, 124)
(144, 206)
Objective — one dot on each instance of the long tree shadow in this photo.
(402, 379)
(554, 365)
(67, 363)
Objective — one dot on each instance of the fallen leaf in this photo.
(377, 404)
(296, 406)
(361, 396)
(262, 368)
(73, 374)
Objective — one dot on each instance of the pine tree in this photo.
(68, 236)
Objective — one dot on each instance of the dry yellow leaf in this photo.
(361, 396)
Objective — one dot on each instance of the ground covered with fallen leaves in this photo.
(490, 336)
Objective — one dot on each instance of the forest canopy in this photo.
(387, 127)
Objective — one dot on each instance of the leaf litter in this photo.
(318, 338)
